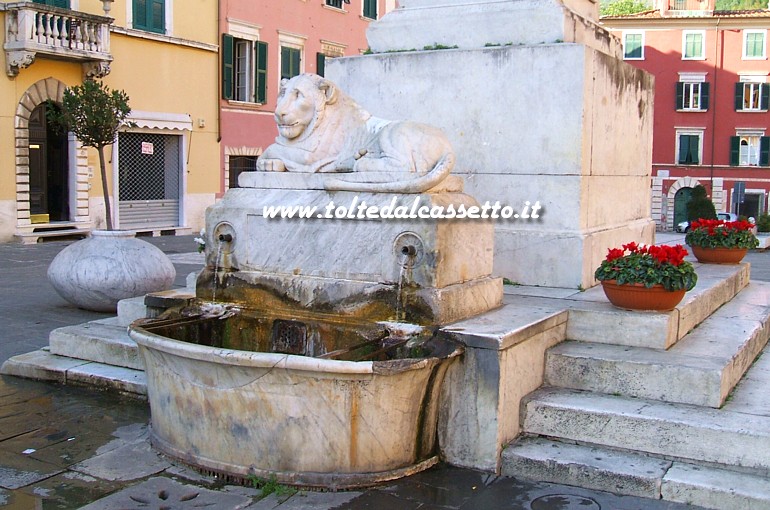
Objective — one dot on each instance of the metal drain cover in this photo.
(564, 502)
(288, 337)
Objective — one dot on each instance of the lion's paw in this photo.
(270, 165)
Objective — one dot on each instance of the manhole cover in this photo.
(564, 502)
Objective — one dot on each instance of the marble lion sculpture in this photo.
(321, 129)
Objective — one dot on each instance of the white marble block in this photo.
(561, 124)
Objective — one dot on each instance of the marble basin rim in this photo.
(302, 420)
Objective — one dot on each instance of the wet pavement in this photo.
(64, 447)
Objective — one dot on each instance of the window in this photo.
(751, 96)
(692, 44)
(291, 55)
(150, 15)
(64, 4)
(370, 9)
(290, 62)
(689, 147)
(240, 164)
(244, 70)
(754, 44)
(633, 45)
(749, 149)
(692, 96)
(335, 3)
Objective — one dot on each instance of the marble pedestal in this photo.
(565, 124)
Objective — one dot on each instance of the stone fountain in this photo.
(313, 352)
(536, 114)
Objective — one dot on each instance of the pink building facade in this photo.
(711, 103)
(264, 41)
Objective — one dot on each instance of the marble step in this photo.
(590, 311)
(106, 340)
(701, 369)
(103, 341)
(633, 474)
(686, 432)
(45, 366)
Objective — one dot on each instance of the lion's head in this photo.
(302, 101)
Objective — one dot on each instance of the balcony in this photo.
(33, 30)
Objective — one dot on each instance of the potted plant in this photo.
(719, 241)
(640, 277)
(109, 265)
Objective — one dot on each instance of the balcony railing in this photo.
(693, 6)
(33, 30)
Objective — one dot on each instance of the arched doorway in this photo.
(681, 199)
(48, 169)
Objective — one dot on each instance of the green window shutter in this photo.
(140, 13)
(694, 146)
(64, 4)
(227, 66)
(738, 96)
(157, 16)
(688, 149)
(735, 150)
(679, 95)
(150, 15)
(289, 62)
(764, 151)
(764, 94)
(285, 63)
(261, 73)
(704, 96)
(684, 148)
(370, 9)
(295, 63)
(320, 63)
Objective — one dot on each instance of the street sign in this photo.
(739, 192)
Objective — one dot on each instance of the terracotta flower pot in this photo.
(719, 255)
(635, 296)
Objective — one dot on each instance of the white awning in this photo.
(161, 120)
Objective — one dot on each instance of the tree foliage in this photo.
(95, 114)
(700, 206)
(739, 5)
(624, 7)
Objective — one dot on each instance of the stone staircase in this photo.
(673, 406)
(97, 353)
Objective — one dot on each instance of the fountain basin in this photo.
(304, 420)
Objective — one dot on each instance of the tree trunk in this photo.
(105, 189)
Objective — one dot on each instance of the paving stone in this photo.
(70, 490)
(377, 500)
(19, 470)
(190, 475)
(318, 500)
(161, 492)
(128, 462)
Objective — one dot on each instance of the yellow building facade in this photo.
(163, 170)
